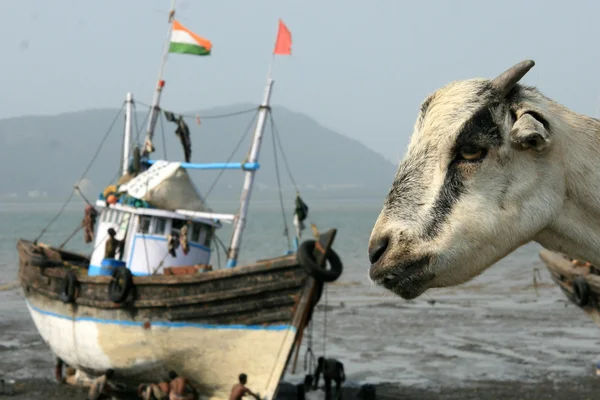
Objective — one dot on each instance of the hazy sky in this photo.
(359, 67)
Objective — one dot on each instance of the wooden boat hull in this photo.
(579, 281)
(208, 327)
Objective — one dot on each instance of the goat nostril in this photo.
(379, 248)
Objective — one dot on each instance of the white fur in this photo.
(552, 191)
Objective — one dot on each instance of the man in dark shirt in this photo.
(239, 390)
(112, 244)
(332, 370)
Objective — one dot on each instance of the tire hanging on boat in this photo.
(120, 285)
(67, 287)
(307, 260)
(581, 291)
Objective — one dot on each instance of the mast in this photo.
(236, 238)
(148, 146)
(127, 135)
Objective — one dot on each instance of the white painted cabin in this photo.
(145, 231)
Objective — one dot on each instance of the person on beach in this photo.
(180, 388)
(101, 387)
(332, 370)
(158, 391)
(112, 244)
(239, 390)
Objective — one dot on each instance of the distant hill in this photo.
(43, 156)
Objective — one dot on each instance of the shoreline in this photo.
(581, 388)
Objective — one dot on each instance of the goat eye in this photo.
(471, 153)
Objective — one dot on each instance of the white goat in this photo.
(491, 166)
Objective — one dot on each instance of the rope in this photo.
(283, 341)
(231, 155)
(325, 324)
(160, 264)
(62, 209)
(216, 116)
(285, 225)
(146, 233)
(162, 128)
(63, 244)
(139, 128)
(309, 357)
(223, 247)
(216, 249)
(121, 162)
(287, 166)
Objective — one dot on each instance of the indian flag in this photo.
(185, 41)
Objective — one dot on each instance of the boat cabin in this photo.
(152, 239)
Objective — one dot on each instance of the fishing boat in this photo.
(579, 280)
(148, 300)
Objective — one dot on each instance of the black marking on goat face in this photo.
(480, 131)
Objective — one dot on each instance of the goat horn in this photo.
(509, 78)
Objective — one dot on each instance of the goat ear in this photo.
(530, 132)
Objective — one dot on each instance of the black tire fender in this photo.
(307, 260)
(581, 291)
(120, 285)
(318, 292)
(68, 287)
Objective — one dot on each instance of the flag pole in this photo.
(148, 146)
(240, 222)
(270, 75)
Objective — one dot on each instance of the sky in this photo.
(361, 68)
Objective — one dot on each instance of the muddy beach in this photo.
(580, 389)
(495, 337)
(480, 341)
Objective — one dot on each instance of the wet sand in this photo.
(482, 340)
(580, 389)
(492, 338)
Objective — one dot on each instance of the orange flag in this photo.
(283, 45)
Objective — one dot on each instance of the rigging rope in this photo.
(216, 248)
(286, 232)
(164, 140)
(223, 247)
(139, 128)
(309, 356)
(287, 166)
(216, 116)
(325, 323)
(232, 154)
(62, 209)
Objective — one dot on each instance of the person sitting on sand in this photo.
(101, 388)
(180, 388)
(239, 390)
(71, 377)
(332, 370)
(158, 391)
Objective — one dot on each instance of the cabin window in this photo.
(176, 225)
(144, 225)
(196, 229)
(209, 234)
(161, 224)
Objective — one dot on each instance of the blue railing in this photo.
(207, 166)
